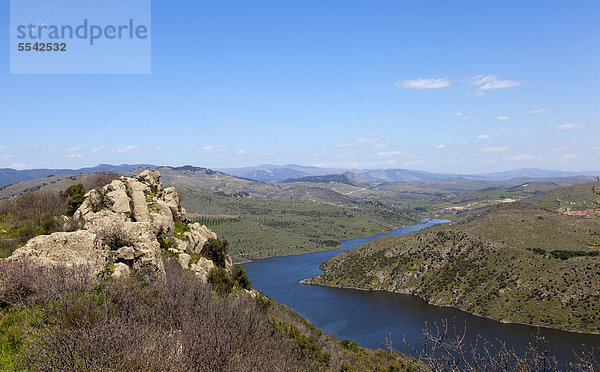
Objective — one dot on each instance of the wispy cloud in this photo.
(21, 166)
(409, 163)
(502, 117)
(464, 116)
(494, 149)
(7, 156)
(384, 154)
(130, 148)
(538, 111)
(97, 149)
(370, 139)
(569, 126)
(560, 149)
(72, 153)
(440, 146)
(423, 83)
(568, 157)
(2, 147)
(483, 136)
(208, 148)
(523, 157)
(488, 82)
(362, 141)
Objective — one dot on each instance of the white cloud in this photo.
(483, 136)
(523, 157)
(595, 148)
(384, 154)
(502, 117)
(362, 141)
(21, 166)
(568, 157)
(7, 156)
(560, 149)
(157, 149)
(97, 149)
(409, 163)
(440, 146)
(208, 148)
(494, 149)
(370, 139)
(465, 117)
(72, 152)
(569, 126)
(423, 83)
(2, 147)
(538, 111)
(130, 148)
(488, 82)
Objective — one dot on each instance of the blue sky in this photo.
(451, 86)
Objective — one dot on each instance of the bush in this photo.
(565, 255)
(239, 275)
(216, 250)
(220, 280)
(17, 281)
(76, 196)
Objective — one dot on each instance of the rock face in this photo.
(124, 227)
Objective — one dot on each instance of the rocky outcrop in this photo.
(124, 227)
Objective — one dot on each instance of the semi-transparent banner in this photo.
(80, 37)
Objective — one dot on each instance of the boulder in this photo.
(76, 248)
(149, 177)
(122, 226)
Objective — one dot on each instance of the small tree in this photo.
(216, 250)
(239, 275)
(76, 196)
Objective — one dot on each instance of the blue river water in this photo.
(369, 317)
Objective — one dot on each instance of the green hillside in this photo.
(514, 262)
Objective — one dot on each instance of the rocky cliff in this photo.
(122, 228)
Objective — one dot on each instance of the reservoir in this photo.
(368, 318)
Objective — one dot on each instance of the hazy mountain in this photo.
(532, 173)
(278, 173)
(9, 176)
(348, 177)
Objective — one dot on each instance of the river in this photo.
(368, 318)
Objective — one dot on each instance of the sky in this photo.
(443, 86)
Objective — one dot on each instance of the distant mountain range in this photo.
(280, 173)
(293, 172)
(9, 176)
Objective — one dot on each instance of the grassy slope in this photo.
(486, 265)
(269, 227)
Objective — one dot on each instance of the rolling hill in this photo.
(514, 262)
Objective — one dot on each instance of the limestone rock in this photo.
(73, 248)
(121, 270)
(202, 268)
(122, 226)
(184, 259)
(149, 177)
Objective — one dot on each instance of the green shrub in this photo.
(306, 345)
(221, 280)
(239, 275)
(350, 345)
(76, 196)
(180, 229)
(565, 255)
(216, 250)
